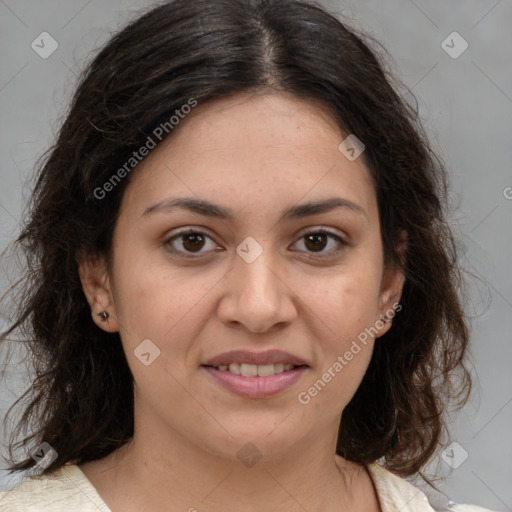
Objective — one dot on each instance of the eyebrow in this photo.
(208, 209)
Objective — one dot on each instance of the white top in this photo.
(68, 489)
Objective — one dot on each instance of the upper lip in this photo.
(258, 358)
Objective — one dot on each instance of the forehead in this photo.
(249, 148)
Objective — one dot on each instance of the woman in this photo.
(241, 287)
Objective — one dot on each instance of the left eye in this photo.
(318, 240)
(192, 241)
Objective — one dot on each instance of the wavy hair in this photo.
(81, 398)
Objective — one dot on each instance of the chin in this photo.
(250, 446)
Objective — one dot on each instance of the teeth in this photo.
(253, 370)
(248, 370)
(234, 368)
(278, 368)
(265, 369)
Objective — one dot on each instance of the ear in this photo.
(391, 289)
(97, 289)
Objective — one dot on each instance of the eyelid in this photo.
(323, 229)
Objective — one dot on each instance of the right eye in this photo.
(191, 240)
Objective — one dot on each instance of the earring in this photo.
(104, 316)
(385, 319)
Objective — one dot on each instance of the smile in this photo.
(255, 381)
(255, 370)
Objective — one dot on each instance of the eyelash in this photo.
(189, 231)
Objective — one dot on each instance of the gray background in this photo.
(466, 104)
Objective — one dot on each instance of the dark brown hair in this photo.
(81, 401)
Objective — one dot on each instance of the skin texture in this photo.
(256, 154)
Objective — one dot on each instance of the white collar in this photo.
(397, 494)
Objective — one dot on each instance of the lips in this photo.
(255, 387)
(256, 374)
(268, 357)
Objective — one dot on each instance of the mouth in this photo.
(248, 360)
(255, 375)
(255, 370)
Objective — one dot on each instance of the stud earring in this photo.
(104, 316)
(385, 319)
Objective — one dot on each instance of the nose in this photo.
(257, 296)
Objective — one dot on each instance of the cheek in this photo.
(163, 303)
(348, 304)
(345, 353)
(347, 301)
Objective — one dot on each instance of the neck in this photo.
(308, 477)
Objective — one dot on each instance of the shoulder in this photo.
(64, 489)
(396, 493)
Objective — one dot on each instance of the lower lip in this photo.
(256, 387)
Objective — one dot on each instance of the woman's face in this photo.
(309, 283)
